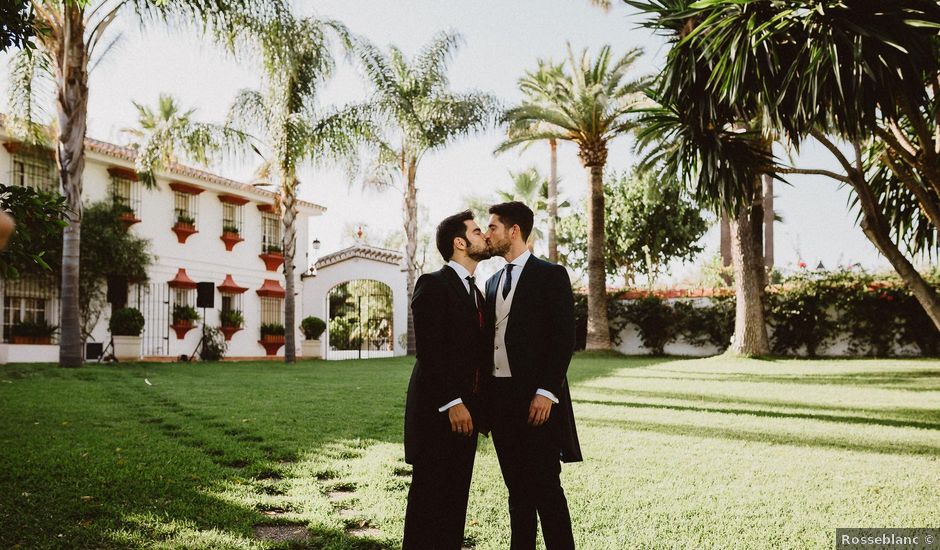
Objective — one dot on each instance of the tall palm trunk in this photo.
(71, 60)
(725, 247)
(750, 328)
(598, 331)
(409, 169)
(289, 244)
(553, 202)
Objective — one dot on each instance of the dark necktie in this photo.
(476, 298)
(475, 292)
(507, 282)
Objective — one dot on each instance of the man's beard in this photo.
(480, 254)
(498, 248)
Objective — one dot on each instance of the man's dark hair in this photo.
(449, 229)
(515, 213)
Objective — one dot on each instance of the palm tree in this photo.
(286, 118)
(70, 33)
(533, 85)
(532, 188)
(864, 73)
(418, 113)
(590, 103)
(164, 134)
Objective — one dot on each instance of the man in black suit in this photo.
(531, 333)
(441, 411)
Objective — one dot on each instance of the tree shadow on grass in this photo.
(590, 365)
(761, 437)
(917, 415)
(842, 419)
(884, 379)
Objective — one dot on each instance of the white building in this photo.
(226, 244)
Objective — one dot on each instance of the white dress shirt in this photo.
(463, 274)
(502, 368)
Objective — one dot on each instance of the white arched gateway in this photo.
(361, 293)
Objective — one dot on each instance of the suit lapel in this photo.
(521, 293)
(461, 290)
(491, 300)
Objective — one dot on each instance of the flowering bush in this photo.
(807, 312)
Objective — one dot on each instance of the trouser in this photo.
(530, 460)
(440, 488)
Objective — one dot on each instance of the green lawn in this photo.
(713, 453)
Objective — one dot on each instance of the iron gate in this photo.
(359, 324)
(153, 301)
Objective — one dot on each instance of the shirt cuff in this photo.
(455, 402)
(547, 394)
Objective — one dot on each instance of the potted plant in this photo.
(183, 317)
(230, 235)
(273, 256)
(232, 321)
(272, 337)
(126, 324)
(312, 328)
(184, 227)
(125, 213)
(182, 218)
(272, 332)
(32, 332)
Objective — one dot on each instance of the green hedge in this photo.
(806, 313)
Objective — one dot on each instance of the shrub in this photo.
(185, 219)
(33, 329)
(655, 320)
(126, 321)
(312, 327)
(615, 319)
(272, 328)
(230, 229)
(707, 324)
(214, 345)
(184, 313)
(800, 314)
(231, 318)
(806, 312)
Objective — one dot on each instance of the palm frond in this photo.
(430, 65)
(30, 92)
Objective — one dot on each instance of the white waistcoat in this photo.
(503, 306)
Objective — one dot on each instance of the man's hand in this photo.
(460, 421)
(539, 410)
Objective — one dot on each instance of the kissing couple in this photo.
(493, 363)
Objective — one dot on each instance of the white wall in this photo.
(316, 289)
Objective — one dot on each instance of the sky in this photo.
(502, 39)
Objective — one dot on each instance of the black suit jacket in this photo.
(540, 339)
(450, 354)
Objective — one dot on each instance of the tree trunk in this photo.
(598, 332)
(553, 202)
(750, 328)
(876, 228)
(71, 59)
(768, 192)
(725, 230)
(289, 244)
(411, 242)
